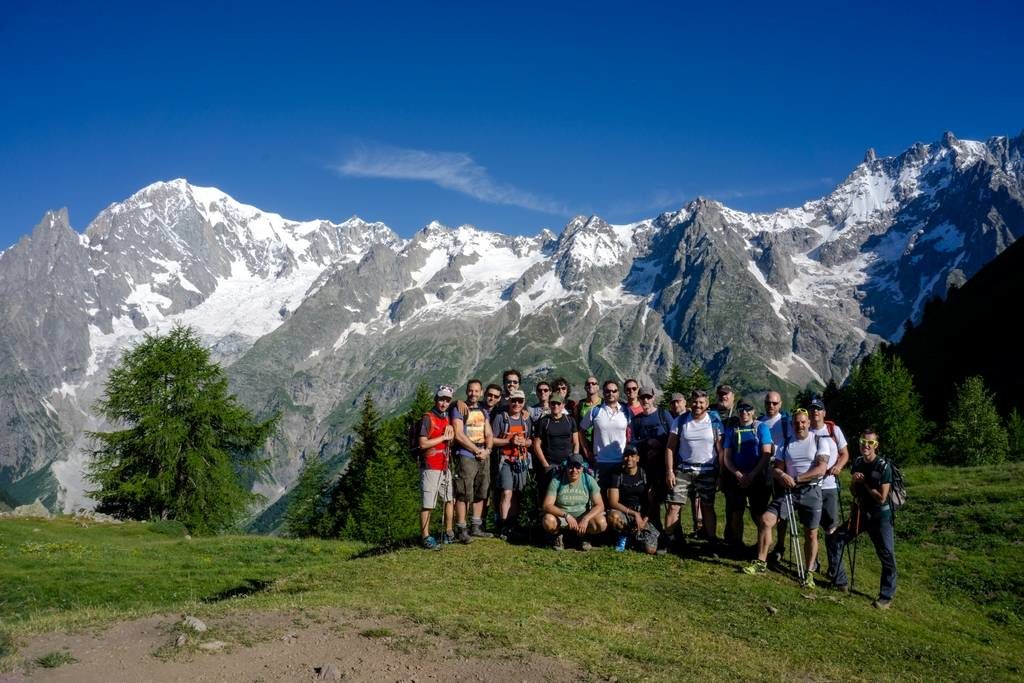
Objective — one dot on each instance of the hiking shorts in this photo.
(806, 503)
(606, 472)
(756, 496)
(830, 509)
(700, 482)
(512, 476)
(472, 480)
(435, 484)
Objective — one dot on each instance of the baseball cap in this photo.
(517, 393)
(646, 391)
(556, 398)
(678, 397)
(443, 391)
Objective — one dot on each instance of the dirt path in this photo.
(276, 646)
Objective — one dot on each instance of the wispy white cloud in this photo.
(671, 199)
(451, 170)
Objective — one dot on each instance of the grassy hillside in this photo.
(957, 615)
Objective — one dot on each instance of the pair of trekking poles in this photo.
(794, 538)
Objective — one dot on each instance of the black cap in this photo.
(816, 402)
(576, 459)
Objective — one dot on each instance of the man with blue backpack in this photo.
(748, 449)
(649, 430)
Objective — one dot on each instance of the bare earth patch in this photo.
(272, 646)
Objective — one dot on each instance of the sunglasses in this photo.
(611, 391)
(746, 409)
(591, 384)
(772, 403)
(632, 388)
(511, 381)
(800, 411)
(495, 397)
(868, 442)
(517, 400)
(575, 466)
(543, 390)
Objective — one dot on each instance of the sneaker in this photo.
(447, 539)
(881, 603)
(808, 581)
(463, 536)
(558, 542)
(430, 543)
(477, 532)
(585, 546)
(756, 567)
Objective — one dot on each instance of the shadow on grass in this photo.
(248, 587)
(386, 548)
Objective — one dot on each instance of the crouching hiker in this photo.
(628, 498)
(871, 512)
(573, 505)
(797, 470)
(436, 435)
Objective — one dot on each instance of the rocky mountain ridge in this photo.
(308, 316)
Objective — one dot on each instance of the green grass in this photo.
(960, 548)
(54, 659)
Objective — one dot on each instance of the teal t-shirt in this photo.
(574, 498)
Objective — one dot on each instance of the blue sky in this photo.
(512, 117)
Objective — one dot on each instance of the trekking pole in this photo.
(856, 542)
(794, 537)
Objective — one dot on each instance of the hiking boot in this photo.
(881, 603)
(447, 539)
(463, 536)
(620, 545)
(585, 546)
(808, 581)
(476, 531)
(558, 542)
(430, 543)
(756, 567)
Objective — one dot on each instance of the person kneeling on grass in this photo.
(628, 498)
(797, 471)
(573, 505)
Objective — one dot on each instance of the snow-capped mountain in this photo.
(308, 316)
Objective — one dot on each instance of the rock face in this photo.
(308, 317)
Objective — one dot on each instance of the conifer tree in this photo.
(345, 496)
(973, 433)
(306, 514)
(675, 382)
(880, 392)
(185, 443)
(387, 508)
(697, 379)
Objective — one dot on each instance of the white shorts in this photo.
(436, 484)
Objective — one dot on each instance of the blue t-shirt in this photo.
(747, 444)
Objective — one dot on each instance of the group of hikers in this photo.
(609, 464)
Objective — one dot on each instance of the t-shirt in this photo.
(875, 474)
(574, 498)
(538, 411)
(781, 427)
(747, 444)
(504, 425)
(556, 437)
(582, 408)
(799, 455)
(632, 489)
(696, 441)
(473, 427)
(652, 425)
(830, 482)
(634, 410)
(611, 425)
